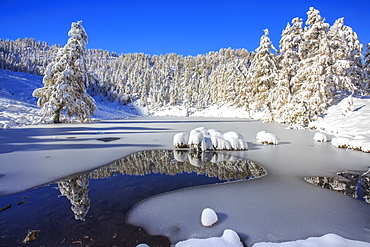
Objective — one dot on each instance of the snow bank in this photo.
(229, 238)
(348, 120)
(328, 240)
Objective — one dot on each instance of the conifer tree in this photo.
(261, 74)
(367, 68)
(313, 93)
(64, 91)
(289, 59)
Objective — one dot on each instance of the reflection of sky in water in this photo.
(101, 198)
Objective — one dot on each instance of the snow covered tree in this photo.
(261, 75)
(313, 92)
(64, 91)
(346, 72)
(281, 94)
(367, 67)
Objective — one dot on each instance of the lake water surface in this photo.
(89, 209)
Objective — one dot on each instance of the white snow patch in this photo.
(348, 119)
(320, 137)
(229, 238)
(208, 217)
(328, 240)
(341, 142)
(267, 138)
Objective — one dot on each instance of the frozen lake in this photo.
(278, 207)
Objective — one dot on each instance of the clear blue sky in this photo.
(187, 27)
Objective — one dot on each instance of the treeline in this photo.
(315, 66)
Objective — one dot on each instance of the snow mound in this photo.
(229, 238)
(328, 240)
(320, 137)
(202, 139)
(267, 138)
(180, 140)
(209, 217)
(357, 143)
(196, 141)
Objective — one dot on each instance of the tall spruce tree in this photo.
(261, 74)
(313, 92)
(280, 96)
(64, 92)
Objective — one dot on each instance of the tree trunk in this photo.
(56, 117)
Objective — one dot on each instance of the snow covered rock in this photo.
(202, 130)
(328, 240)
(238, 144)
(220, 143)
(341, 142)
(356, 144)
(320, 137)
(229, 238)
(232, 135)
(208, 217)
(196, 141)
(214, 132)
(366, 147)
(180, 140)
(267, 138)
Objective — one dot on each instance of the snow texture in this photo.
(209, 217)
(229, 238)
(328, 240)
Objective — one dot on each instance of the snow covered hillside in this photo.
(18, 107)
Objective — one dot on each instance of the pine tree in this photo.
(64, 91)
(313, 92)
(289, 59)
(367, 68)
(261, 75)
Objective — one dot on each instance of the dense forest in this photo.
(316, 65)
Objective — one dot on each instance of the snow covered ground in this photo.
(279, 207)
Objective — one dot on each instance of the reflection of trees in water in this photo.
(212, 164)
(351, 183)
(75, 189)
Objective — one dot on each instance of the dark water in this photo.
(90, 209)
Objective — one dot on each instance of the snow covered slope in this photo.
(348, 120)
(18, 107)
